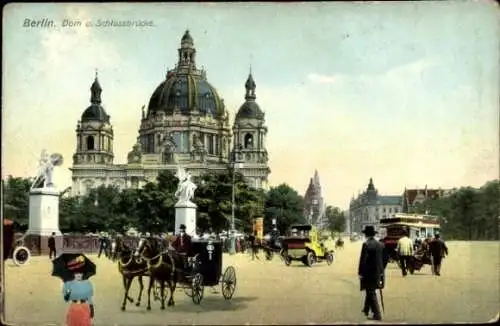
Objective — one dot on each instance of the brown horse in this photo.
(130, 267)
(161, 266)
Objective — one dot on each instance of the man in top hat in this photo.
(182, 242)
(372, 263)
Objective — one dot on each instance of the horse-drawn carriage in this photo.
(14, 248)
(200, 268)
(303, 245)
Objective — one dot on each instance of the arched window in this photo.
(248, 141)
(90, 143)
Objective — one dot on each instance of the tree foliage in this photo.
(335, 219)
(468, 213)
(16, 200)
(214, 200)
(284, 204)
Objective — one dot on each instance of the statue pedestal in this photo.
(185, 213)
(43, 218)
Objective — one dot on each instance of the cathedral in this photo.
(314, 205)
(185, 123)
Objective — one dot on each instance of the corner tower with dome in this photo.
(185, 123)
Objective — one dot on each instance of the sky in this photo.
(404, 93)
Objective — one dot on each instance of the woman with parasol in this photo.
(75, 271)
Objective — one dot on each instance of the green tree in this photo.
(335, 219)
(70, 215)
(155, 204)
(284, 204)
(469, 213)
(214, 199)
(490, 204)
(16, 200)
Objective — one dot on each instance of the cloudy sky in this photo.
(406, 93)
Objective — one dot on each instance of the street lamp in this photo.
(237, 162)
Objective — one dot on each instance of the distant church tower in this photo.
(249, 136)
(314, 207)
(94, 139)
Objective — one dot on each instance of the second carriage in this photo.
(14, 247)
(205, 270)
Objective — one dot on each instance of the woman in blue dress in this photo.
(78, 292)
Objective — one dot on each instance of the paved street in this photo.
(271, 293)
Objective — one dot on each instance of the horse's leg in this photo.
(141, 287)
(126, 291)
(162, 294)
(127, 282)
(151, 282)
(172, 284)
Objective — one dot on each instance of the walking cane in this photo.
(382, 300)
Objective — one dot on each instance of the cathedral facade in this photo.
(185, 123)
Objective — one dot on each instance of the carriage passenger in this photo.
(182, 245)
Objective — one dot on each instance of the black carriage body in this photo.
(8, 240)
(209, 260)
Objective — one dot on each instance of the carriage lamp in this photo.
(237, 162)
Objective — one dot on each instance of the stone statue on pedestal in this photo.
(46, 166)
(186, 188)
(185, 209)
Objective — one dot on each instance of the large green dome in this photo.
(186, 88)
(185, 92)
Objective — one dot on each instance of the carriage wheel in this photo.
(21, 256)
(197, 288)
(228, 283)
(309, 259)
(329, 258)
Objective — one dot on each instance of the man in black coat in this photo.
(438, 250)
(372, 263)
(103, 245)
(52, 245)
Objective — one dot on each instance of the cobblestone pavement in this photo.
(268, 292)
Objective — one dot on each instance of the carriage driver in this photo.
(182, 244)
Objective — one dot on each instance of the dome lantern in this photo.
(250, 87)
(95, 112)
(187, 52)
(95, 91)
(250, 109)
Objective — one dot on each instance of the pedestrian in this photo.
(372, 263)
(52, 245)
(405, 253)
(103, 243)
(418, 242)
(438, 251)
(79, 292)
(254, 247)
